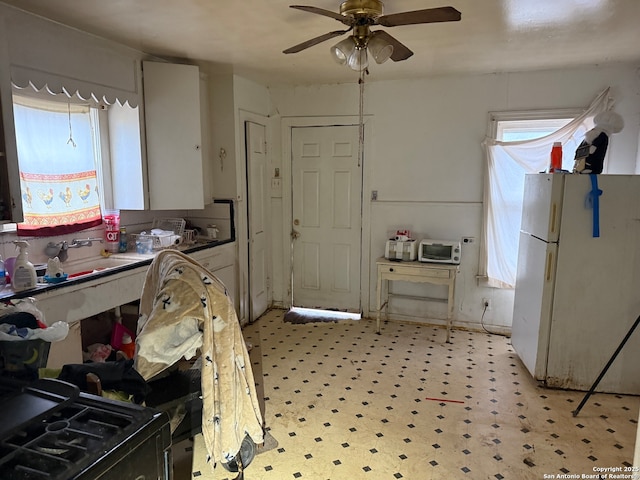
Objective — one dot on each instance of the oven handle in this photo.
(168, 464)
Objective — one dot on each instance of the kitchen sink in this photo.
(91, 266)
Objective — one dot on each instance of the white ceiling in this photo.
(249, 36)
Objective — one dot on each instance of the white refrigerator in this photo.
(577, 295)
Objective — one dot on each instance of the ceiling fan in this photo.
(360, 16)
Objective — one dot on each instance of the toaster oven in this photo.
(439, 251)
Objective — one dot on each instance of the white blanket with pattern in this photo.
(184, 308)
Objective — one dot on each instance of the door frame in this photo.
(288, 123)
(242, 215)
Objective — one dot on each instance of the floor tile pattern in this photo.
(346, 403)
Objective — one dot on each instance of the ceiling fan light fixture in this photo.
(343, 50)
(380, 49)
(360, 16)
(358, 60)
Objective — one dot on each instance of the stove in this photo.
(50, 430)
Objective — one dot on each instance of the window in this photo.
(520, 143)
(521, 130)
(76, 156)
(530, 129)
(58, 154)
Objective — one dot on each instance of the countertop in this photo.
(8, 294)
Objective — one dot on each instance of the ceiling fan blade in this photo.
(429, 15)
(322, 11)
(400, 51)
(314, 41)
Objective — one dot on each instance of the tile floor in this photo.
(345, 403)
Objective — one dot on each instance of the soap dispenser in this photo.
(24, 273)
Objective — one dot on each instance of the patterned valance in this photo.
(23, 77)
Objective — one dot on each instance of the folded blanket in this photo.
(184, 308)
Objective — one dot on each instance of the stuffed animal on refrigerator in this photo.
(590, 154)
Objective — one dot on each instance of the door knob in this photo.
(296, 222)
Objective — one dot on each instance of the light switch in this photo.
(276, 187)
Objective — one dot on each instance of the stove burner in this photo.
(56, 426)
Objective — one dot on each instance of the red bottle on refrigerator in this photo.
(555, 164)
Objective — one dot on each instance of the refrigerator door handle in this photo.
(554, 213)
(549, 267)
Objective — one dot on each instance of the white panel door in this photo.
(258, 201)
(327, 206)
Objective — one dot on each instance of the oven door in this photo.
(144, 456)
(436, 252)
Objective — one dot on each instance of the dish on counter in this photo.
(49, 279)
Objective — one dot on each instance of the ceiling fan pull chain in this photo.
(361, 117)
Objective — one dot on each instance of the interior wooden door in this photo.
(258, 201)
(327, 217)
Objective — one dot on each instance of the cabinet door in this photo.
(10, 204)
(128, 183)
(221, 262)
(172, 124)
(5, 191)
(227, 275)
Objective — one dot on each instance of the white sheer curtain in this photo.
(57, 167)
(507, 164)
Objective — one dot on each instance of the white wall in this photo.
(222, 135)
(44, 51)
(427, 164)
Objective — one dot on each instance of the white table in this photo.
(417, 272)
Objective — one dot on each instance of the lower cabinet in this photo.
(81, 301)
(221, 261)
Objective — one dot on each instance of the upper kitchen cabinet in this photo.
(173, 136)
(5, 195)
(10, 204)
(8, 208)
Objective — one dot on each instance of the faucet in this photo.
(57, 250)
(61, 249)
(85, 242)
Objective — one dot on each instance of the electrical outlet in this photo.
(468, 240)
(486, 303)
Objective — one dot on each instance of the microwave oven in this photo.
(439, 251)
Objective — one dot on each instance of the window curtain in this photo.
(57, 169)
(507, 164)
